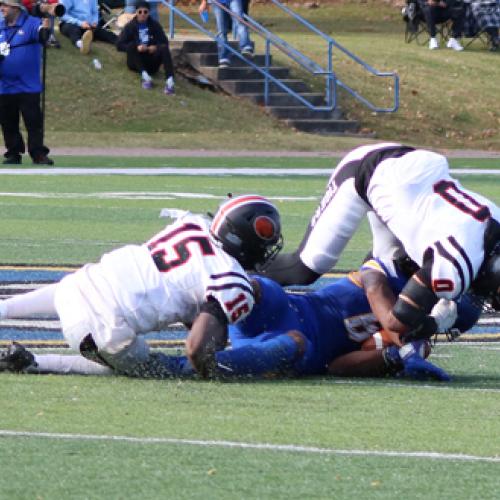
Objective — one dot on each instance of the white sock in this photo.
(35, 303)
(145, 76)
(170, 82)
(79, 44)
(69, 365)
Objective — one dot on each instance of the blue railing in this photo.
(312, 67)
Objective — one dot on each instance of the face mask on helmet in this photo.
(249, 229)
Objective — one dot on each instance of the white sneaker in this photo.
(454, 44)
(433, 44)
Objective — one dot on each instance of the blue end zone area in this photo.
(44, 332)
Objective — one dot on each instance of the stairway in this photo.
(242, 80)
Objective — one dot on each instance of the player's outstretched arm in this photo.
(208, 334)
(405, 362)
(382, 299)
(359, 364)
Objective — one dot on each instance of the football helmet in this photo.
(248, 228)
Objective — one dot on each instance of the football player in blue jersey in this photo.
(318, 333)
(323, 332)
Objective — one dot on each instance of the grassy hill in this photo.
(448, 99)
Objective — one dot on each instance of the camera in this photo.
(409, 12)
(47, 8)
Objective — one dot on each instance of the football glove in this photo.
(408, 362)
(418, 368)
(16, 358)
(445, 314)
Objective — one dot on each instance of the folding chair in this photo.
(109, 12)
(473, 30)
(416, 25)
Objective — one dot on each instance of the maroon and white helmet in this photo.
(249, 229)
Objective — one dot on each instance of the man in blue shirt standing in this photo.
(21, 39)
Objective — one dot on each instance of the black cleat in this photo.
(12, 160)
(42, 160)
(16, 358)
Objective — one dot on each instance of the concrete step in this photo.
(238, 87)
(175, 53)
(200, 46)
(200, 60)
(243, 80)
(282, 99)
(324, 126)
(302, 113)
(241, 73)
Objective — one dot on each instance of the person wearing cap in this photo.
(81, 25)
(21, 40)
(146, 45)
(130, 6)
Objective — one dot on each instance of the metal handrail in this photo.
(265, 70)
(333, 43)
(271, 39)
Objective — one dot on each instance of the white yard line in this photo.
(488, 345)
(253, 446)
(413, 386)
(140, 195)
(204, 171)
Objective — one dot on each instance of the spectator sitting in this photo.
(80, 24)
(146, 45)
(484, 15)
(439, 11)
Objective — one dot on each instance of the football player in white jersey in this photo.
(191, 272)
(413, 204)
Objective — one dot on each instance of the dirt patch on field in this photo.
(142, 152)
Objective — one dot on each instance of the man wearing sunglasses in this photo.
(146, 45)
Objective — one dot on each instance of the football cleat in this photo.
(16, 358)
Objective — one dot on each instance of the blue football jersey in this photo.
(335, 319)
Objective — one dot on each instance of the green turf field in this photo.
(369, 434)
(326, 438)
(74, 219)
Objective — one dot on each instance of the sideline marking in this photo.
(205, 171)
(139, 195)
(37, 267)
(254, 446)
(447, 387)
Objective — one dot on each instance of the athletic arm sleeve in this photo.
(234, 294)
